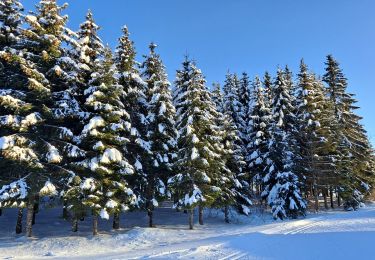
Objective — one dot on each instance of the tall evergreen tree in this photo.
(46, 39)
(236, 192)
(103, 187)
(314, 137)
(86, 57)
(354, 152)
(281, 185)
(244, 99)
(260, 118)
(199, 146)
(27, 141)
(135, 100)
(161, 130)
(234, 108)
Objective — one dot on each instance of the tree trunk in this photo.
(65, 211)
(19, 221)
(75, 224)
(226, 214)
(29, 218)
(191, 218)
(36, 208)
(200, 208)
(94, 224)
(325, 199)
(316, 199)
(116, 221)
(338, 199)
(150, 218)
(331, 197)
(1, 212)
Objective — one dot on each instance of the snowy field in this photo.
(329, 235)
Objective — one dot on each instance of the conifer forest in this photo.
(88, 129)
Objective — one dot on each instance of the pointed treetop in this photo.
(257, 83)
(89, 22)
(125, 30)
(10, 22)
(89, 15)
(152, 47)
(303, 66)
(125, 52)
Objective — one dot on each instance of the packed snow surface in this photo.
(328, 235)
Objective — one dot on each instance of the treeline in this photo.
(103, 134)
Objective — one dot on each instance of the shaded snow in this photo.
(332, 235)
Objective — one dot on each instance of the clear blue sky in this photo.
(247, 35)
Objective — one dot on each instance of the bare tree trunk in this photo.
(116, 221)
(200, 209)
(338, 199)
(325, 198)
(1, 212)
(94, 224)
(36, 208)
(316, 199)
(29, 218)
(191, 218)
(19, 221)
(226, 214)
(150, 218)
(65, 211)
(75, 224)
(331, 197)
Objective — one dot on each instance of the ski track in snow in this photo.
(327, 235)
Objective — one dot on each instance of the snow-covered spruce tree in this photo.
(217, 97)
(314, 137)
(232, 104)
(10, 21)
(90, 49)
(161, 130)
(199, 144)
(27, 161)
(244, 93)
(85, 55)
(138, 149)
(259, 135)
(244, 99)
(281, 187)
(103, 173)
(23, 157)
(354, 152)
(235, 189)
(233, 107)
(267, 85)
(46, 37)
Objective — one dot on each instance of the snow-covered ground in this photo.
(330, 235)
